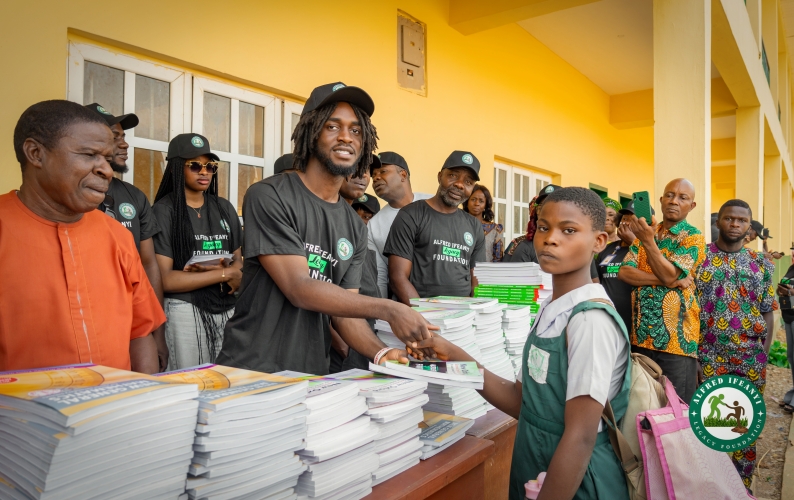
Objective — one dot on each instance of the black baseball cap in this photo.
(187, 146)
(368, 202)
(374, 163)
(283, 163)
(462, 159)
(339, 92)
(550, 188)
(757, 227)
(127, 121)
(392, 158)
(629, 209)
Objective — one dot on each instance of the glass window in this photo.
(152, 105)
(517, 229)
(295, 119)
(105, 86)
(217, 121)
(525, 192)
(149, 168)
(246, 175)
(516, 187)
(223, 179)
(501, 191)
(500, 213)
(252, 130)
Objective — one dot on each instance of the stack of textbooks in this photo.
(516, 323)
(464, 374)
(395, 406)
(440, 431)
(491, 341)
(339, 455)
(248, 429)
(92, 432)
(511, 283)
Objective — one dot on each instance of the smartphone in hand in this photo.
(642, 206)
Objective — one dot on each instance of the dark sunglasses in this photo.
(107, 206)
(196, 167)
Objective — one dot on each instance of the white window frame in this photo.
(510, 202)
(180, 92)
(288, 108)
(237, 94)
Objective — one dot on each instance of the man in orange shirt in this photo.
(74, 289)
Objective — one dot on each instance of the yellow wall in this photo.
(723, 186)
(497, 93)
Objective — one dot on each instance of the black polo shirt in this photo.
(609, 262)
(132, 210)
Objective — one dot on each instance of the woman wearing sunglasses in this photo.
(194, 221)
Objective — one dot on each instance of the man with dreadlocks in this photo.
(305, 249)
(195, 221)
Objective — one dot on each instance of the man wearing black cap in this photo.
(128, 205)
(305, 249)
(391, 182)
(366, 207)
(433, 246)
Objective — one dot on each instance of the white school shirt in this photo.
(379, 227)
(598, 353)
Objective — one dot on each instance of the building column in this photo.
(682, 100)
(786, 237)
(773, 181)
(750, 159)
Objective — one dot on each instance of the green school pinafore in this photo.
(541, 422)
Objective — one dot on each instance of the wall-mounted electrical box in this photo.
(411, 55)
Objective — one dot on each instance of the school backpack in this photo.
(646, 393)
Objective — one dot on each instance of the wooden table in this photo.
(457, 472)
(500, 428)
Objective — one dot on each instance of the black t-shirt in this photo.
(213, 234)
(525, 252)
(132, 210)
(609, 262)
(788, 314)
(282, 217)
(443, 248)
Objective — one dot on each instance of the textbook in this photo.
(437, 429)
(454, 373)
(209, 260)
(338, 454)
(247, 431)
(446, 302)
(395, 407)
(88, 431)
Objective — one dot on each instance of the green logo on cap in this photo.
(197, 141)
(363, 198)
(549, 189)
(102, 110)
(338, 86)
(467, 159)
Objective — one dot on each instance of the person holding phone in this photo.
(660, 265)
(199, 298)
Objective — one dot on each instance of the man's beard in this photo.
(333, 167)
(730, 240)
(121, 169)
(444, 195)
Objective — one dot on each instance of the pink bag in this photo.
(677, 464)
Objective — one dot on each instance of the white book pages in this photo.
(324, 393)
(400, 451)
(201, 465)
(373, 403)
(225, 400)
(285, 490)
(200, 486)
(293, 412)
(214, 444)
(358, 488)
(211, 457)
(239, 465)
(251, 410)
(333, 446)
(323, 485)
(408, 421)
(395, 468)
(340, 462)
(396, 440)
(398, 408)
(209, 260)
(332, 420)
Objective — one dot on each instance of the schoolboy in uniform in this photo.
(433, 246)
(575, 360)
(305, 249)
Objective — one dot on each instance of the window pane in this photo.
(252, 130)
(295, 119)
(223, 179)
(525, 192)
(246, 175)
(501, 208)
(501, 191)
(516, 187)
(539, 184)
(152, 105)
(517, 229)
(217, 121)
(149, 168)
(105, 86)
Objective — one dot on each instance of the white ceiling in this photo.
(609, 41)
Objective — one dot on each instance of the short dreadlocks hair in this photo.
(588, 202)
(735, 203)
(307, 132)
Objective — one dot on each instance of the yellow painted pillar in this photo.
(786, 222)
(682, 100)
(773, 180)
(754, 12)
(750, 159)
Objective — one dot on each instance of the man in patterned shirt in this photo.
(737, 297)
(660, 266)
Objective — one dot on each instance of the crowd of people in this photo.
(299, 286)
